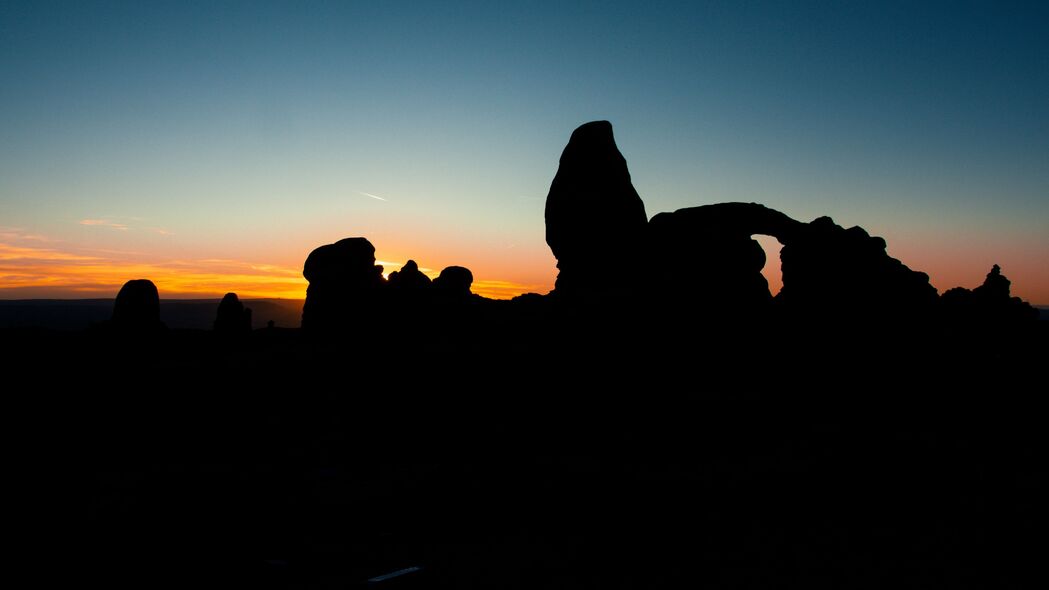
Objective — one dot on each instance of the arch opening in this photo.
(773, 270)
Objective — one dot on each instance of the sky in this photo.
(210, 146)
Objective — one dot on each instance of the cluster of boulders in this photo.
(347, 288)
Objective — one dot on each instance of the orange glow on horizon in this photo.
(32, 272)
(40, 268)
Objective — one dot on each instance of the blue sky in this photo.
(250, 131)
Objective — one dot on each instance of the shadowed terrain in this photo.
(177, 314)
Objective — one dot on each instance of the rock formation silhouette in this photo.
(454, 283)
(704, 257)
(344, 284)
(232, 317)
(347, 290)
(995, 287)
(137, 307)
(990, 302)
(595, 220)
(829, 270)
(698, 262)
(409, 278)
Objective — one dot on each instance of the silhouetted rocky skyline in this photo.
(700, 262)
(659, 420)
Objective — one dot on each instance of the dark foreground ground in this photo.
(522, 455)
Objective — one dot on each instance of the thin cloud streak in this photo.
(34, 272)
(377, 197)
(11, 252)
(29, 270)
(104, 223)
(15, 234)
(113, 223)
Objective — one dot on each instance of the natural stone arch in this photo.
(704, 259)
(826, 268)
(706, 256)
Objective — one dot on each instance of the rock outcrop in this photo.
(454, 283)
(232, 317)
(409, 278)
(344, 285)
(137, 307)
(704, 258)
(706, 261)
(595, 220)
(990, 302)
(829, 270)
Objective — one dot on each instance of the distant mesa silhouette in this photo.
(137, 307)
(990, 302)
(595, 220)
(232, 317)
(344, 283)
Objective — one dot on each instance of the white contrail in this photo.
(372, 196)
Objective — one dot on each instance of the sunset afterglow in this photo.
(41, 272)
(210, 149)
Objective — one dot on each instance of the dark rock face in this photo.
(710, 264)
(410, 291)
(137, 306)
(347, 292)
(706, 260)
(990, 302)
(595, 220)
(995, 288)
(232, 316)
(344, 283)
(829, 270)
(409, 278)
(454, 282)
